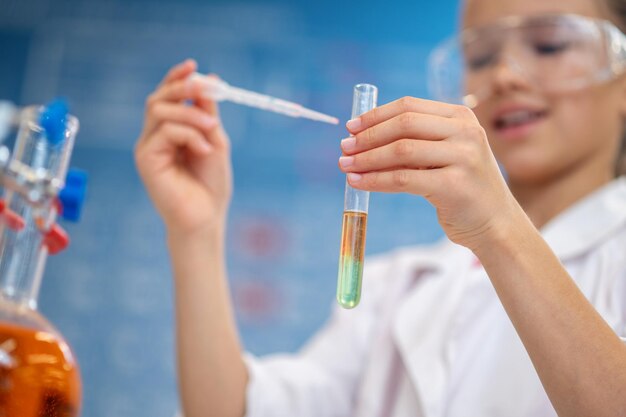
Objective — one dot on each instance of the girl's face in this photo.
(567, 133)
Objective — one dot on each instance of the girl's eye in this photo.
(479, 62)
(551, 48)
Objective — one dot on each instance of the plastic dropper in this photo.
(219, 90)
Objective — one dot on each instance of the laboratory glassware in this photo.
(352, 251)
(39, 376)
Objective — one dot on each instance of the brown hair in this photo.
(617, 9)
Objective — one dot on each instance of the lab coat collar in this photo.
(589, 222)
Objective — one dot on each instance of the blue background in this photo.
(110, 294)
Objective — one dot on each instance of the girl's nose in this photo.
(508, 76)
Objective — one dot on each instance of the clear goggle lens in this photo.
(552, 53)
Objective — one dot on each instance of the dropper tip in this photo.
(323, 118)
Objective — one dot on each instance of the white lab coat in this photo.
(431, 338)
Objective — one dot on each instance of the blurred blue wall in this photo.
(110, 293)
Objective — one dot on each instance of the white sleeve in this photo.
(620, 289)
(322, 379)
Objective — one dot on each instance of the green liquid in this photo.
(351, 258)
(349, 282)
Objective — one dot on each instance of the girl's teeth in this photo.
(517, 118)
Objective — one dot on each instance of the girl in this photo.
(518, 313)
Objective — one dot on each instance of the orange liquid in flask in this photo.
(38, 375)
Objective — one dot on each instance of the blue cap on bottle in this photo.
(53, 120)
(73, 195)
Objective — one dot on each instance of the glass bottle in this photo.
(39, 376)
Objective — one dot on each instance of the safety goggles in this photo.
(553, 53)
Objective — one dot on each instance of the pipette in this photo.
(219, 90)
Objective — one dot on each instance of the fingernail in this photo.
(354, 124)
(346, 161)
(348, 144)
(352, 177)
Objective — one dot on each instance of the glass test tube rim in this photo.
(362, 87)
(29, 115)
(72, 123)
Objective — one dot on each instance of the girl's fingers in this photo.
(404, 153)
(176, 91)
(171, 136)
(208, 104)
(424, 182)
(406, 125)
(408, 105)
(165, 111)
(180, 71)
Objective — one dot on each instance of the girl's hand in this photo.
(435, 150)
(183, 155)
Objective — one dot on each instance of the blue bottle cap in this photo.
(53, 120)
(72, 196)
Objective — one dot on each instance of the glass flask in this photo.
(39, 376)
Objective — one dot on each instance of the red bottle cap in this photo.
(13, 220)
(56, 239)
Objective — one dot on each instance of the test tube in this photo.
(354, 226)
